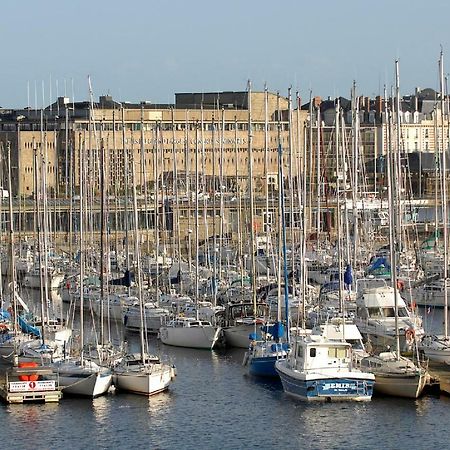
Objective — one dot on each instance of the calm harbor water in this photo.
(213, 404)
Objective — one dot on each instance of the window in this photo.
(374, 312)
(337, 352)
(312, 352)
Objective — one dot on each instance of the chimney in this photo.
(378, 104)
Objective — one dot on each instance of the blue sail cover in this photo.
(348, 276)
(27, 328)
(379, 263)
(276, 330)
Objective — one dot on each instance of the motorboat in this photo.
(319, 369)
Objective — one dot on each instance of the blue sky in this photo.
(148, 50)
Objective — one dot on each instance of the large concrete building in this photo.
(208, 133)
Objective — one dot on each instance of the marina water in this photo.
(213, 404)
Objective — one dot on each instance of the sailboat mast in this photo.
(137, 257)
(102, 240)
(444, 191)
(266, 176)
(339, 169)
(283, 219)
(81, 234)
(391, 169)
(196, 220)
(12, 269)
(250, 191)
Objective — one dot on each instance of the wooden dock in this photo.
(440, 375)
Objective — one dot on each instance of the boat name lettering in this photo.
(328, 386)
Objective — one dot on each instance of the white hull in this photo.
(400, 386)
(93, 385)
(192, 337)
(238, 336)
(436, 348)
(150, 380)
(89, 380)
(153, 323)
(34, 281)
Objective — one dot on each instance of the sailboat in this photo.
(186, 331)
(395, 374)
(263, 354)
(80, 375)
(140, 373)
(437, 348)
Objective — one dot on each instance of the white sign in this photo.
(31, 386)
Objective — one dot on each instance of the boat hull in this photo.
(400, 386)
(239, 335)
(263, 366)
(93, 385)
(190, 337)
(144, 382)
(313, 387)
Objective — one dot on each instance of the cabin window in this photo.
(300, 352)
(388, 312)
(402, 312)
(337, 352)
(312, 352)
(374, 312)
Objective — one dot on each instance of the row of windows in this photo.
(50, 169)
(149, 162)
(30, 145)
(208, 150)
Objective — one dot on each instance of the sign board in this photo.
(31, 386)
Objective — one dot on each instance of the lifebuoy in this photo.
(410, 334)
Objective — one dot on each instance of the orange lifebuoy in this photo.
(410, 334)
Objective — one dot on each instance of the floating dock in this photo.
(26, 384)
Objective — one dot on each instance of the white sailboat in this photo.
(140, 373)
(394, 374)
(437, 348)
(186, 331)
(79, 375)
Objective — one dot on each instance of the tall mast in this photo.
(283, 219)
(12, 267)
(391, 173)
(444, 103)
(196, 220)
(252, 201)
(266, 176)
